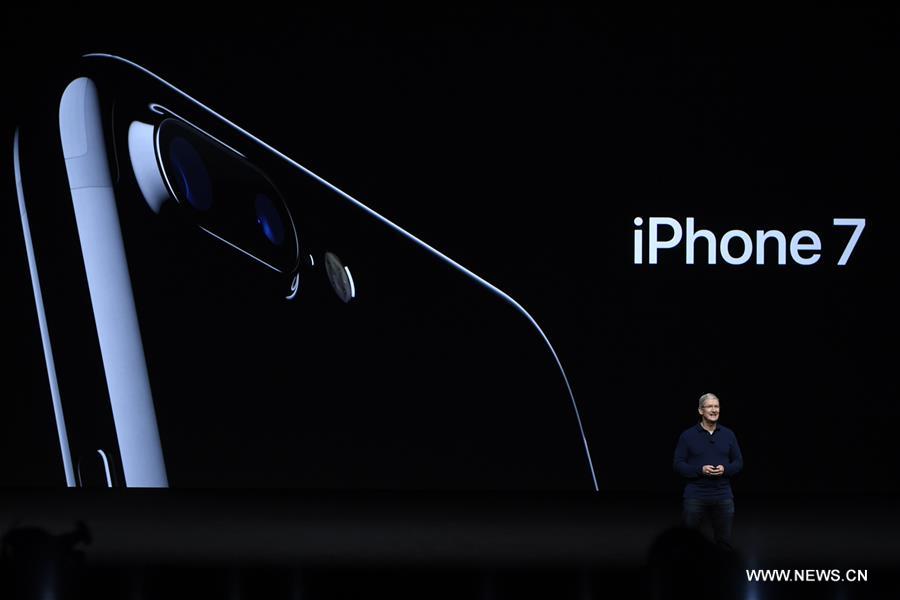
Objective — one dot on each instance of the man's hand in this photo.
(713, 471)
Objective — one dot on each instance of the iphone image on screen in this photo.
(213, 314)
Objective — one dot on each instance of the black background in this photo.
(523, 143)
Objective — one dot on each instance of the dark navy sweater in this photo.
(698, 447)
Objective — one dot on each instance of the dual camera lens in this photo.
(227, 195)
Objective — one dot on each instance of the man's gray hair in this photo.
(706, 397)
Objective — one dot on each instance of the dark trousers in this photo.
(719, 512)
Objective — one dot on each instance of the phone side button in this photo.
(93, 470)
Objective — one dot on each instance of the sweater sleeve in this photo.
(680, 463)
(735, 458)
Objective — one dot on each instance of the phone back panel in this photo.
(428, 378)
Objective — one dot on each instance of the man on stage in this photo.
(707, 456)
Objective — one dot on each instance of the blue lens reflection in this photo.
(269, 219)
(193, 181)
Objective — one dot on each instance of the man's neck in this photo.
(710, 426)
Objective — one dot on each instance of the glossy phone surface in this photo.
(218, 316)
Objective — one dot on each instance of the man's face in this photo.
(710, 410)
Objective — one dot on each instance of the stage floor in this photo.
(302, 545)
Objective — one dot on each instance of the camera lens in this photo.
(192, 179)
(226, 195)
(269, 219)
